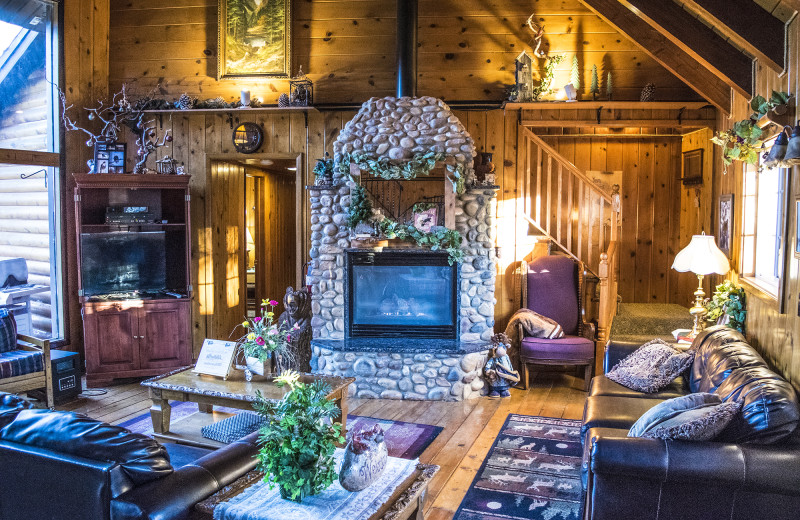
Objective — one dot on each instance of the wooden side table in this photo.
(407, 502)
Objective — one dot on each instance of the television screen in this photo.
(118, 262)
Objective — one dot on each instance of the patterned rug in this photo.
(533, 471)
(403, 439)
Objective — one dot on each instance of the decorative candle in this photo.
(245, 98)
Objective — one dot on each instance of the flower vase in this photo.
(365, 458)
(256, 367)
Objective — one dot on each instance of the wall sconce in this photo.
(776, 155)
(572, 94)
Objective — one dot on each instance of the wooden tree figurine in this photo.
(595, 88)
(609, 87)
(575, 76)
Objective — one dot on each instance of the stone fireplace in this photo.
(403, 321)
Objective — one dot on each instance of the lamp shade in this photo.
(701, 256)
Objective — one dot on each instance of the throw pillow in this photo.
(651, 367)
(670, 408)
(538, 326)
(8, 331)
(698, 424)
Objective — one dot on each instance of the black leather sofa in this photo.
(751, 472)
(62, 465)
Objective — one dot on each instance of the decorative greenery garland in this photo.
(543, 88)
(420, 165)
(439, 237)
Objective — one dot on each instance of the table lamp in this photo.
(702, 257)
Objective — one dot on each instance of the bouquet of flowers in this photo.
(263, 335)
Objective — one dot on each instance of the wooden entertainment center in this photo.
(134, 246)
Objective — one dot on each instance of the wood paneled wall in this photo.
(647, 170)
(773, 333)
(466, 49)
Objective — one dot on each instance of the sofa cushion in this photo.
(141, 458)
(614, 412)
(770, 409)
(568, 348)
(8, 331)
(715, 363)
(670, 408)
(602, 385)
(707, 345)
(10, 406)
(703, 423)
(15, 363)
(651, 367)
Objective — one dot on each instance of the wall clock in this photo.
(247, 137)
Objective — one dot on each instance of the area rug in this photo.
(403, 439)
(532, 471)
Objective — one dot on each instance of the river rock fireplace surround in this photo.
(372, 316)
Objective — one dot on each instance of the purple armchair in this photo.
(555, 289)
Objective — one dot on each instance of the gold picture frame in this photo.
(254, 38)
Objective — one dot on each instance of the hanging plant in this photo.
(323, 170)
(727, 306)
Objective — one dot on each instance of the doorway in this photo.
(253, 241)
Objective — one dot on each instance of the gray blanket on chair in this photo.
(534, 325)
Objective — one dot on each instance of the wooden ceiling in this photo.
(709, 44)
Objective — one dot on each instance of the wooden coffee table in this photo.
(407, 502)
(210, 391)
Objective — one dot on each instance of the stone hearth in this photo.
(407, 368)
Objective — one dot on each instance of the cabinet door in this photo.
(111, 333)
(164, 332)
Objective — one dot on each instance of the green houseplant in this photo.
(728, 301)
(298, 439)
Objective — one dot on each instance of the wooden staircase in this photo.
(580, 219)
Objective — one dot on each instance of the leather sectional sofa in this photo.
(62, 465)
(751, 472)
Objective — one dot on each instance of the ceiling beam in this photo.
(662, 50)
(748, 25)
(698, 40)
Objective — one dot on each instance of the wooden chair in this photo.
(554, 288)
(28, 346)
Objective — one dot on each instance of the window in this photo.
(763, 232)
(30, 200)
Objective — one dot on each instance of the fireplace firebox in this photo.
(401, 294)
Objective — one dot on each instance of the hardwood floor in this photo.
(470, 427)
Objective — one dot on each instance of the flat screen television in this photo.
(118, 262)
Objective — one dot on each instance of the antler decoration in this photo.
(147, 141)
(119, 112)
(538, 33)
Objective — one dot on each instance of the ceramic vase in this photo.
(360, 470)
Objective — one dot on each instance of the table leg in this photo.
(160, 413)
(205, 408)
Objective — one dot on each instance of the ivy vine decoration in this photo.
(360, 209)
(727, 302)
(438, 238)
(544, 87)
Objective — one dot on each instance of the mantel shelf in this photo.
(637, 105)
(231, 110)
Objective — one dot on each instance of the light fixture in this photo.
(792, 156)
(292, 168)
(776, 155)
(702, 257)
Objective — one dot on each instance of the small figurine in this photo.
(498, 371)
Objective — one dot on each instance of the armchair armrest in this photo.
(33, 344)
(589, 330)
(770, 469)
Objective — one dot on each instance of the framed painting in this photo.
(254, 38)
(725, 231)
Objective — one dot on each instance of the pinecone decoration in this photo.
(648, 93)
(184, 102)
(283, 101)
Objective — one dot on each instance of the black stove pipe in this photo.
(406, 48)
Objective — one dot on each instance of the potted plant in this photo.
(323, 171)
(727, 306)
(264, 344)
(298, 439)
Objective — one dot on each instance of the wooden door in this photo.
(225, 204)
(164, 334)
(276, 256)
(111, 336)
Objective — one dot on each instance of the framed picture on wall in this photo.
(254, 38)
(725, 231)
(693, 167)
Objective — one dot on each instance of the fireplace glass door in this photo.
(401, 294)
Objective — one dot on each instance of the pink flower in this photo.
(257, 319)
(296, 326)
(288, 337)
(259, 340)
(273, 303)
